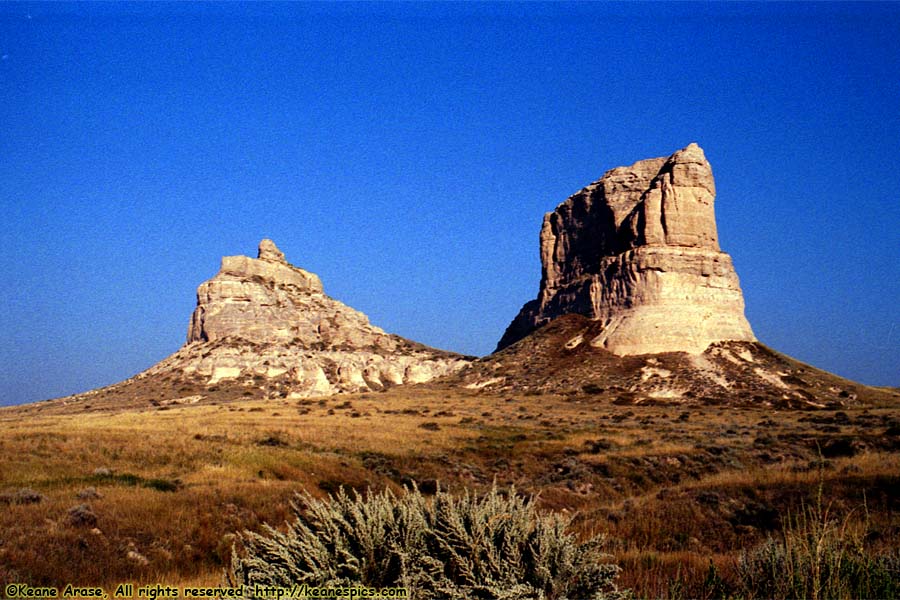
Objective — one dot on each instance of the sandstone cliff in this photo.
(638, 251)
(266, 319)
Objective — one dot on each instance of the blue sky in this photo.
(407, 152)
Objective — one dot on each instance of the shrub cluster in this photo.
(493, 547)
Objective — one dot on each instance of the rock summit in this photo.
(638, 251)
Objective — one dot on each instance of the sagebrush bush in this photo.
(494, 547)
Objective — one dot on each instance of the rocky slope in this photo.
(559, 359)
(638, 252)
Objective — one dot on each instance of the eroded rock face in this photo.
(260, 300)
(266, 318)
(638, 250)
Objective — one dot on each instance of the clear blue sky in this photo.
(407, 152)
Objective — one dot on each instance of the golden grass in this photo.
(237, 465)
(795, 473)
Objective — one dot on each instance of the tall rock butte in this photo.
(263, 319)
(638, 251)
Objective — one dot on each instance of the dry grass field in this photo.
(99, 496)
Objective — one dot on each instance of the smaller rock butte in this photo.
(264, 317)
(638, 250)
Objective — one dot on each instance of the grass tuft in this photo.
(819, 556)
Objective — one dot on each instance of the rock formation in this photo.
(266, 319)
(637, 250)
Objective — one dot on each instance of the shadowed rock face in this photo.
(638, 251)
(266, 318)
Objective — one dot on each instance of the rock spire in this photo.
(638, 250)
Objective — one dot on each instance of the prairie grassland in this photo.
(676, 489)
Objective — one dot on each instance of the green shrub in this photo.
(130, 479)
(163, 485)
(494, 547)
